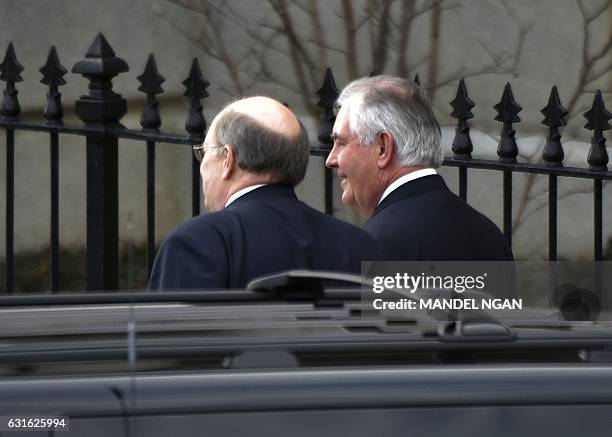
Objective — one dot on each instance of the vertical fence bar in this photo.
(9, 278)
(53, 73)
(598, 200)
(102, 213)
(552, 218)
(554, 117)
(329, 198)
(102, 108)
(54, 212)
(151, 82)
(552, 238)
(462, 143)
(507, 150)
(195, 186)
(508, 207)
(597, 121)
(463, 183)
(195, 86)
(150, 205)
(10, 70)
(328, 94)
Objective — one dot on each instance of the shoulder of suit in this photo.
(344, 227)
(209, 222)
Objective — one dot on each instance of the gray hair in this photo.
(263, 151)
(399, 107)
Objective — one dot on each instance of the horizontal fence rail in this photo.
(101, 110)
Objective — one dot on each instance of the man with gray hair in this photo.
(386, 150)
(254, 154)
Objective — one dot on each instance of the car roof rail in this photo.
(303, 284)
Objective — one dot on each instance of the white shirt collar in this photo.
(241, 193)
(405, 179)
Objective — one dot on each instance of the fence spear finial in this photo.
(554, 117)
(462, 105)
(328, 94)
(10, 70)
(507, 112)
(597, 121)
(53, 72)
(195, 90)
(150, 84)
(53, 76)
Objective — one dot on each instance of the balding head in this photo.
(268, 113)
(267, 138)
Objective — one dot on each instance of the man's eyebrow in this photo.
(334, 135)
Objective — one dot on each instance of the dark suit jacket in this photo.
(264, 231)
(424, 220)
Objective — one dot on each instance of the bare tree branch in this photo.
(225, 9)
(328, 47)
(417, 65)
(434, 49)
(596, 76)
(225, 55)
(279, 80)
(588, 61)
(211, 43)
(428, 6)
(404, 32)
(371, 19)
(498, 66)
(318, 35)
(452, 78)
(200, 8)
(289, 30)
(349, 32)
(302, 5)
(544, 204)
(596, 13)
(296, 52)
(524, 201)
(380, 53)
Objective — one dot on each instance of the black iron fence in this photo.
(101, 110)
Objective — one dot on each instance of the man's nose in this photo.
(332, 158)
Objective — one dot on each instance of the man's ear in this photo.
(385, 149)
(229, 162)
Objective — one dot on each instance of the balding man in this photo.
(254, 154)
(386, 150)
